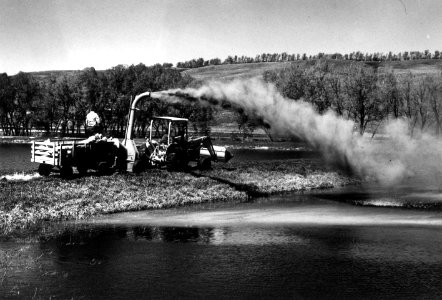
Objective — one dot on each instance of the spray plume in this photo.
(387, 161)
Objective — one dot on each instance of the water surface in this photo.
(16, 158)
(298, 246)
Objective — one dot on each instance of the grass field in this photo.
(228, 72)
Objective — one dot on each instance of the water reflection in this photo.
(412, 194)
(294, 246)
(201, 235)
(123, 262)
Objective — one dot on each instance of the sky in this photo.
(38, 35)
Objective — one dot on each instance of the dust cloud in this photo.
(388, 160)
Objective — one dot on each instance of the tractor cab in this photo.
(168, 144)
(167, 130)
(167, 141)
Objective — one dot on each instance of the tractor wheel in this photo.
(138, 167)
(82, 170)
(176, 158)
(66, 171)
(44, 169)
(177, 164)
(103, 168)
(205, 163)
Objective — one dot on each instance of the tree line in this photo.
(356, 91)
(285, 57)
(58, 105)
(364, 94)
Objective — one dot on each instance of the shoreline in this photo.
(29, 206)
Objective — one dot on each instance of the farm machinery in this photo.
(167, 145)
(96, 153)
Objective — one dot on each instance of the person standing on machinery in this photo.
(93, 123)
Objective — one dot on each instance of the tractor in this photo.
(168, 144)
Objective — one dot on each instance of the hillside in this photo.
(415, 67)
(54, 73)
(228, 72)
(224, 121)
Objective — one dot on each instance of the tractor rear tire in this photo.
(205, 164)
(104, 169)
(44, 169)
(66, 171)
(138, 167)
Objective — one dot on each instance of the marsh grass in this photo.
(271, 177)
(27, 205)
(24, 204)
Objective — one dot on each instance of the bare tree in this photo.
(6, 105)
(422, 101)
(336, 92)
(316, 90)
(365, 106)
(389, 92)
(409, 108)
(434, 94)
(26, 93)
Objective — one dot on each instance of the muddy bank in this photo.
(28, 205)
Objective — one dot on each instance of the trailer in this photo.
(62, 156)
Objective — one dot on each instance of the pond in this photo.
(293, 246)
(303, 245)
(16, 158)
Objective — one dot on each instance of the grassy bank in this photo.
(270, 177)
(26, 205)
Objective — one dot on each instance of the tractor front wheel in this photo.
(44, 169)
(138, 166)
(176, 158)
(205, 163)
